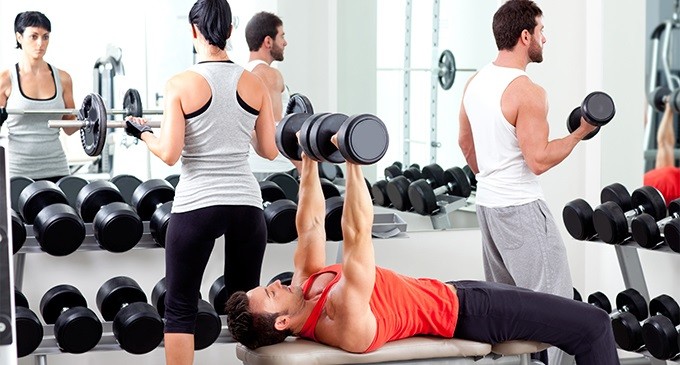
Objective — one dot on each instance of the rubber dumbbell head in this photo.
(612, 223)
(661, 337)
(158, 224)
(379, 193)
(397, 189)
(29, 330)
(208, 322)
(287, 182)
(471, 177)
(117, 226)
(577, 216)
(16, 186)
(56, 225)
(628, 330)
(671, 233)
(137, 326)
(173, 179)
(18, 231)
(126, 184)
(150, 195)
(363, 139)
(333, 218)
(597, 109)
(71, 186)
(76, 327)
(279, 213)
(647, 231)
(218, 295)
(286, 139)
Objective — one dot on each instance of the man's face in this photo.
(278, 45)
(34, 41)
(537, 41)
(275, 298)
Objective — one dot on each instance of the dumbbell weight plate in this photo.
(645, 231)
(208, 326)
(18, 232)
(392, 171)
(299, 103)
(471, 176)
(329, 189)
(271, 192)
(435, 174)
(305, 136)
(666, 306)
(578, 219)
(126, 184)
(618, 194)
(58, 229)
(151, 194)
(173, 180)
(57, 298)
(287, 183)
(461, 184)
(675, 100)
(286, 141)
(36, 196)
(93, 134)
(218, 295)
(574, 121)
(286, 278)
(117, 227)
(577, 296)
(627, 332)
(280, 218)
(601, 301)
(16, 186)
(29, 331)
(610, 223)
(333, 218)
(320, 134)
(655, 98)
(138, 328)
(132, 103)
(634, 301)
(71, 186)
(379, 193)
(658, 335)
(328, 171)
(397, 192)
(363, 139)
(598, 108)
(158, 225)
(650, 198)
(95, 195)
(115, 293)
(422, 198)
(671, 233)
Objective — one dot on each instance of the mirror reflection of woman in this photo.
(35, 150)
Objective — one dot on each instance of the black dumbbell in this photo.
(612, 223)
(279, 213)
(597, 109)
(397, 188)
(471, 177)
(28, 327)
(394, 169)
(18, 231)
(423, 196)
(217, 295)
(628, 329)
(286, 278)
(647, 231)
(577, 296)
(286, 139)
(661, 335)
(627, 301)
(116, 225)
(153, 200)
(208, 322)
(76, 327)
(379, 188)
(333, 218)
(71, 186)
(173, 179)
(662, 95)
(287, 182)
(137, 326)
(578, 214)
(56, 225)
(16, 186)
(126, 184)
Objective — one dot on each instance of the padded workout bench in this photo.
(414, 350)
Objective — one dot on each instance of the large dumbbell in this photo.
(56, 225)
(208, 322)
(597, 109)
(612, 223)
(397, 188)
(661, 335)
(578, 214)
(153, 200)
(279, 213)
(116, 225)
(76, 327)
(662, 95)
(627, 301)
(379, 188)
(28, 327)
(628, 329)
(647, 231)
(137, 326)
(18, 231)
(362, 138)
(423, 196)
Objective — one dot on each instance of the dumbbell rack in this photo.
(633, 276)
(108, 341)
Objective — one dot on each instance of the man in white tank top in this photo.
(504, 137)
(266, 41)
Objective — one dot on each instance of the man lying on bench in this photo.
(357, 306)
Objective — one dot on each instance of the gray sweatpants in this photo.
(523, 247)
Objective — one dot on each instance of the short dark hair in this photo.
(31, 19)
(260, 26)
(511, 19)
(252, 329)
(213, 19)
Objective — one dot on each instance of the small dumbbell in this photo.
(76, 327)
(661, 336)
(628, 329)
(423, 196)
(397, 188)
(18, 231)
(286, 278)
(612, 223)
(578, 214)
(28, 327)
(647, 231)
(597, 109)
(116, 225)
(56, 225)
(208, 322)
(379, 188)
(153, 200)
(662, 95)
(126, 184)
(279, 213)
(627, 301)
(137, 326)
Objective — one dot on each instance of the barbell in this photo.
(132, 105)
(446, 72)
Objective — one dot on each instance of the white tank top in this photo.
(504, 178)
(280, 163)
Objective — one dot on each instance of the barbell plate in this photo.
(93, 133)
(447, 66)
(132, 102)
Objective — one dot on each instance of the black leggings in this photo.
(494, 312)
(190, 240)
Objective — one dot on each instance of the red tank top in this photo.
(666, 180)
(403, 306)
